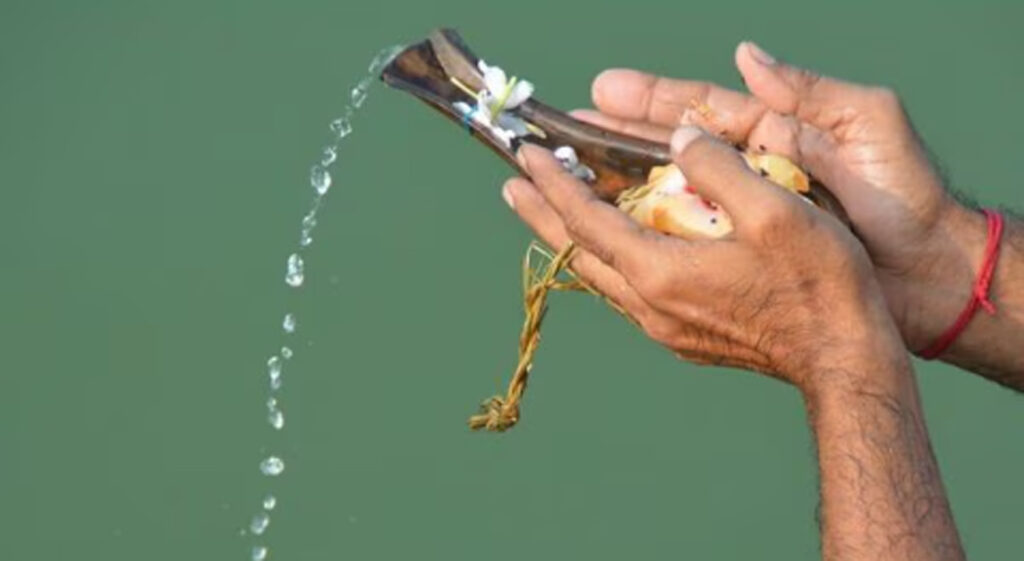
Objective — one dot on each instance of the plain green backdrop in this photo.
(153, 166)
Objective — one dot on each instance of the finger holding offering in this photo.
(593, 224)
(534, 210)
(788, 281)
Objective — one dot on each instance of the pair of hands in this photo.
(793, 282)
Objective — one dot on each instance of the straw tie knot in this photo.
(496, 415)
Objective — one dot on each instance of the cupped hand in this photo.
(857, 140)
(789, 285)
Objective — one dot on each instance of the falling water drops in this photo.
(320, 179)
(308, 223)
(330, 155)
(296, 271)
(259, 523)
(272, 466)
(382, 59)
(341, 127)
(276, 419)
(358, 94)
(274, 371)
(274, 415)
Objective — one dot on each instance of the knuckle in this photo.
(575, 223)
(774, 221)
(655, 284)
(808, 79)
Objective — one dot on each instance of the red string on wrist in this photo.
(979, 293)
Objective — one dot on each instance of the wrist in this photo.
(933, 292)
(864, 350)
(846, 380)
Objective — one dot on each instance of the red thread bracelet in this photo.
(979, 293)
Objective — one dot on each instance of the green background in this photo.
(153, 164)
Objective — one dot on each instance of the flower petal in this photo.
(520, 93)
(495, 80)
(567, 156)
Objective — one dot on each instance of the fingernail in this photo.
(506, 193)
(759, 54)
(682, 138)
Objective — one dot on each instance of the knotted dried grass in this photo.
(543, 272)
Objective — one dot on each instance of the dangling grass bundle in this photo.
(542, 273)
(633, 173)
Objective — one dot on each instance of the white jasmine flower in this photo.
(566, 155)
(505, 93)
(499, 95)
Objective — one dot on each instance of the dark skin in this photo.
(757, 302)
(793, 293)
(925, 246)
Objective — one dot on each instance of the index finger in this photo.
(718, 172)
(638, 96)
(596, 226)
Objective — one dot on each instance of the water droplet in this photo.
(272, 404)
(306, 240)
(330, 155)
(289, 323)
(272, 466)
(286, 352)
(341, 127)
(276, 419)
(269, 502)
(295, 274)
(309, 221)
(259, 523)
(274, 371)
(320, 179)
(359, 93)
(259, 553)
(384, 57)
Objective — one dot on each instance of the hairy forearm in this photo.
(991, 345)
(881, 494)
